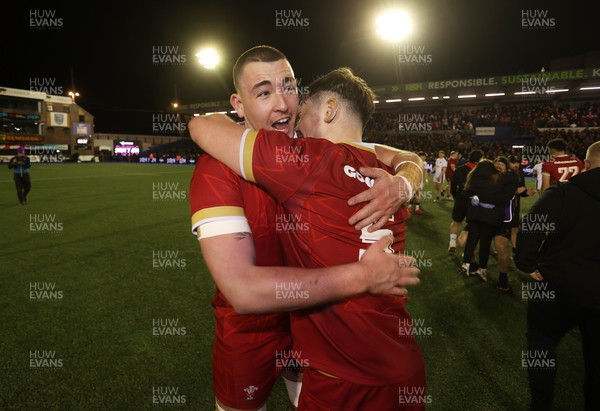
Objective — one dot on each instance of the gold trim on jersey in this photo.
(247, 150)
(214, 212)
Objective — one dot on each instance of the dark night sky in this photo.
(109, 46)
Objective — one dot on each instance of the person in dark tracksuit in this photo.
(486, 193)
(557, 246)
(20, 165)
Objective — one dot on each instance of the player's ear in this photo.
(331, 108)
(236, 102)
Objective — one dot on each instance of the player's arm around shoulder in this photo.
(220, 137)
(228, 258)
(250, 289)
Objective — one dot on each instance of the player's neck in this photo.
(344, 135)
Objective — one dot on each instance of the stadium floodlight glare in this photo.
(416, 99)
(468, 96)
(375, 101)
(233, 112)
(394, 25)
(519, 93)
(196, 115)
(394, 100)
(446, 97)
(494, 94)
(590, 88)
(73, 94)
(557, 90)
(435, 98)
(208, 58)
(175, 105)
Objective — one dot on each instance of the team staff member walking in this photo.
(563, 222)
(20, 165)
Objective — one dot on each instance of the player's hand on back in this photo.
(389, 273)
(383, 200)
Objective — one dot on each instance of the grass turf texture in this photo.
(102, 327)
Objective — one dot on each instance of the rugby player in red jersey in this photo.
(561, 167)
(357, 357)
(235, 218)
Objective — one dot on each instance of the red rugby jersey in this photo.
(357, 339)
(220, 197)
(562, 168)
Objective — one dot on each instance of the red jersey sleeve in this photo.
(216, 199)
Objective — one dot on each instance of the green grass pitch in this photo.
(102, 251)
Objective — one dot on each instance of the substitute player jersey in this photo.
(223, 203)
(359, 339)
(562, 168)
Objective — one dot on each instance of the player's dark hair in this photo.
(257, 54)
(421, 154)
(484, 172)
(350, 88)
(557, 144)
(475, 156)
(513, 159)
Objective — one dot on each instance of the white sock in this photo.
(293, 389)
(453, 237)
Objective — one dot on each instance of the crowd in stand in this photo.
(524, 117)
(526, 121)
(453, 129)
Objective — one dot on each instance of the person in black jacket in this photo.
(522, 191)
(557, 245)
(20, 165)
(486, 193)
(457, 184)
(502, 240)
